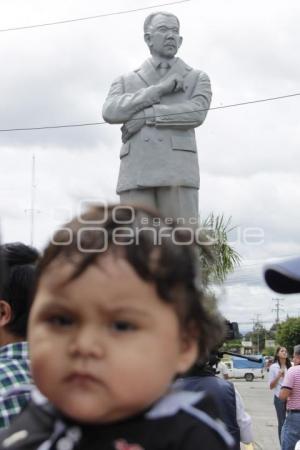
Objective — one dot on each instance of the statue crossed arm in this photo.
(137, 109)
(120, 106)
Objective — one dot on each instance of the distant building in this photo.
(270, 343)
(246, 348)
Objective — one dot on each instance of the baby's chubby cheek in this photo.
(43, 366)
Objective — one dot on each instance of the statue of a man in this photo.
(160, 104)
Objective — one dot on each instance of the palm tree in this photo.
(218, 258)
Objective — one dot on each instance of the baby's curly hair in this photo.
(165, 256)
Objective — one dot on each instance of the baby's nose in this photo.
(88, 343)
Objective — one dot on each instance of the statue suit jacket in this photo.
(163, 152)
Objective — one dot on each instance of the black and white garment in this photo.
(179, 421)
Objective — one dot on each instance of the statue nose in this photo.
(171, 33)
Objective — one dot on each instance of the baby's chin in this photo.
(90, 408)
(93, 415)
(83, 416)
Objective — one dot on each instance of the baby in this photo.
(118, 314)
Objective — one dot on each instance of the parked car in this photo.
(242, 368)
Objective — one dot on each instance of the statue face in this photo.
(163, 38)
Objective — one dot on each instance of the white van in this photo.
(248, 373)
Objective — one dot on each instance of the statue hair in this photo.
(149, 19)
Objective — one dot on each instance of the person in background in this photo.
(284, 277)
(290, 392)
(222, 370)
(276, 374)
(115, 318)
(202, 377)
(19, 269)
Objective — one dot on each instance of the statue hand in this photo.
(133, 125)
(173, 83)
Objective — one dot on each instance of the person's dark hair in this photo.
(1, 271)
(204, 368)
(148, 20)
(276, 357)
(172, 266)
(19, 262)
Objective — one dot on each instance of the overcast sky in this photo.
(249, 155)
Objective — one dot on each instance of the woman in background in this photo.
(276, 374)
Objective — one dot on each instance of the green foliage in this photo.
(268, 351)
(234, 344)
(258, 340)
(288, 334)
(220, 258)
(258, 337)
(248, 336)
(271, 334)
(273, 329)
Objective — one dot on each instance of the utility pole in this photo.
(32, 211)
(277, 308)
(256, 323)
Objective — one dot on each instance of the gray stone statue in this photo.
(160, 104)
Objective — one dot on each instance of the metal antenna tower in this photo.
(277, 309)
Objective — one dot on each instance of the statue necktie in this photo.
(163, 68)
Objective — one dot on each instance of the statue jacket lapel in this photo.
(150, 76)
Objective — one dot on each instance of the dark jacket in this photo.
(223, 393)
(178, 421)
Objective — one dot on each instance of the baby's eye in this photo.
(123, 326)
(60, 320)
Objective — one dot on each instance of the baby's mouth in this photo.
(82, 378)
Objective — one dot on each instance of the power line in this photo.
(98, 16)
(49, 127)
(74, 125)
(251, 323)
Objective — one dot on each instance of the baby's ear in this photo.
(5, 313)
(189, 352)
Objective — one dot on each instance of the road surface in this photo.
(258, 401)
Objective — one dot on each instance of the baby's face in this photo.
(104, 346)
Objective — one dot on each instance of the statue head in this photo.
(161, 34)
